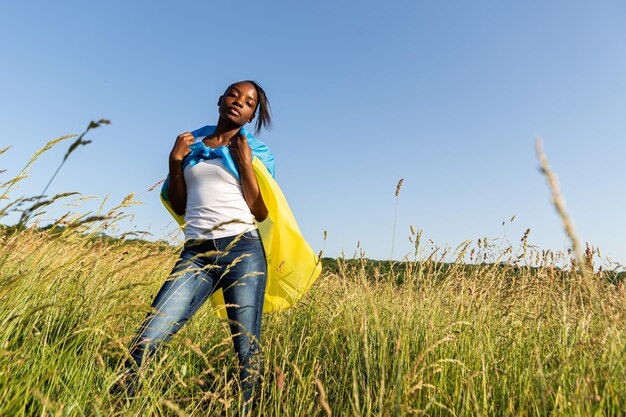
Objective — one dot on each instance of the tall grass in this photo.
(517, 331)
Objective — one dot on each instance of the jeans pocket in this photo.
(251, 235)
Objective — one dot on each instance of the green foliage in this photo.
(446, 339)
(473, 331)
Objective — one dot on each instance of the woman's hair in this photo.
(264, 118)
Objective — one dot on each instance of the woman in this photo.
(220, 203)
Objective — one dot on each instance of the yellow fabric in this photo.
(292, 266)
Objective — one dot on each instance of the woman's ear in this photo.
(251, 117)
(219, 101)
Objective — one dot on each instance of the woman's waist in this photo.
(219, 243)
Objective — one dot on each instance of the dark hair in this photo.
(264, 118)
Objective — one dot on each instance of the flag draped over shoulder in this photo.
(292, 266)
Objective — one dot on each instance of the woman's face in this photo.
(238, 103)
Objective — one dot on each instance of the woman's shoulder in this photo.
(261, 151)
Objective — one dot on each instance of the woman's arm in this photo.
(242, 154)
(176, 188)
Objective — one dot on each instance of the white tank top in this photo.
(215, 204)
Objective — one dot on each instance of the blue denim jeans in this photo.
(235, 264)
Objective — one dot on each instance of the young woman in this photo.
(211, 182)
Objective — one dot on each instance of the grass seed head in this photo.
(399, 186)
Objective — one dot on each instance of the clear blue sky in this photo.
(448, 95)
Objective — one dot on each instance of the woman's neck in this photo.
(222, 135)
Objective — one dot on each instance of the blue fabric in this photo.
(200, 152)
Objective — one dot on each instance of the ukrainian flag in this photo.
(292, 266)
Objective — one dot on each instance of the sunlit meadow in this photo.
(475, 329)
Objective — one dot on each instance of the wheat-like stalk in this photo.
(559, 205)
(395, 216)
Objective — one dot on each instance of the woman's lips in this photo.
(234, 111)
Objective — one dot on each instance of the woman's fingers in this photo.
(181, 146)
(185, 137)
(240, 149)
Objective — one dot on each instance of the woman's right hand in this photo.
(181, 147)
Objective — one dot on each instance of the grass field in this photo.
(490, 331)
(433, 339)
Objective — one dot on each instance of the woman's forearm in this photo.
(176, 188)
(252, 193)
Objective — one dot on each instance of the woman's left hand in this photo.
(240, 151)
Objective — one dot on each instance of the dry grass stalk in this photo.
(280, 379)
(399, 186)
(395, 216)
(322, 398)
(559, 205)
(174, 407)
(156, 185)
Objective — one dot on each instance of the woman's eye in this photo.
(249, 104)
